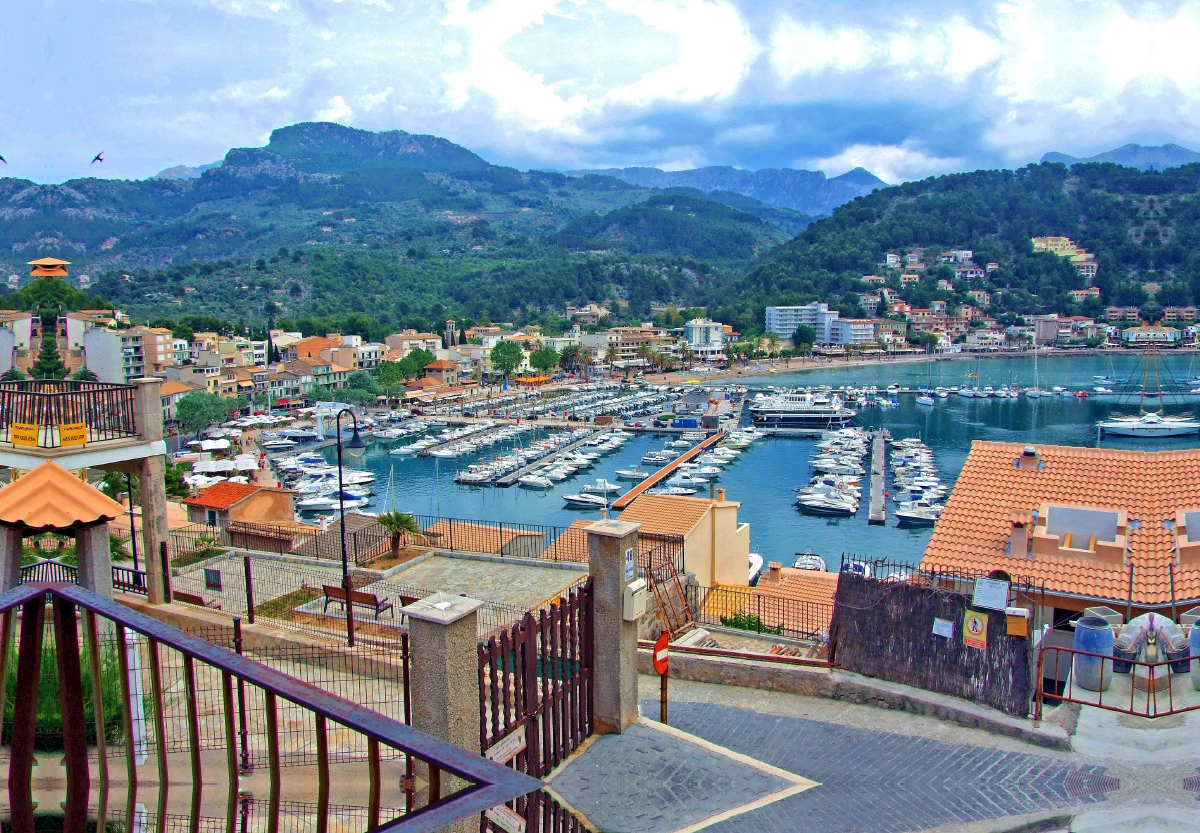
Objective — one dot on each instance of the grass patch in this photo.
(206, 547)
(283, 607)
(751, 622)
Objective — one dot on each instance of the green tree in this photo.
(84, 375)
(804, 338)
(544, 359)
(506, 357)
(320, 393)
(13, 374)
(49, 365)
(399, 525)
(198, 410)
(772, 342)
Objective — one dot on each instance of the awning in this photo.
(214, 445)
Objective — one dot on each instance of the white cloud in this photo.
(370, 101)
(891, 163)
(336, 110)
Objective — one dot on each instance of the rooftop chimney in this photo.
(1021, 536)
(1030, 459)
(720, 495)
(774, 572)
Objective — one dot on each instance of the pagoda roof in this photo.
(50, 497)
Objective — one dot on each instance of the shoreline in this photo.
(775, 367)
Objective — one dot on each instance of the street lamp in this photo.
(355, 448)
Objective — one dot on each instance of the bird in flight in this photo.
(99, 157)
(2, 159)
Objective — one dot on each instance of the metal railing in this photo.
(39, 409)
(146, 706)
(743, 608)
(1150, 684)
(50, 570)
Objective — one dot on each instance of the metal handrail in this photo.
(1152, 674)
(488, 784)
(107, 410)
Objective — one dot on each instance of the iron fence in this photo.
(1126, 685)
(753, 609)
(51, 570)
(946, 578)
(41, 409)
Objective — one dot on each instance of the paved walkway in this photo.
(735, 760)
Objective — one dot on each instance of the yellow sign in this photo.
(74, 433)
(975, 630)
(23, 433)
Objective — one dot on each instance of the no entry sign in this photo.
(661, 646)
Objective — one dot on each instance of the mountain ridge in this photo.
(1141, 157)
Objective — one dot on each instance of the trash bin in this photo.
(1094, 635)
(1123, 649)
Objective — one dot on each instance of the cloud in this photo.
(891, 163)
(336, 110)
(370, 101)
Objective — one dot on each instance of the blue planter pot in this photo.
(1094, 635)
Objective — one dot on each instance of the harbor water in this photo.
(763, 477)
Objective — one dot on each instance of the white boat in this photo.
(674, 491)
(924, 400)
(276, 445)
(632, 474)
(966, 392)
(534, 481)
(585, 501)
(687, 480)
(756, 565)
(1150, 426)
(827, 505)
(600, 487)
(810, 561)
(918, 516)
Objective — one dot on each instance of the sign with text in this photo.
(74, 433)
(630, 566)
(943, 627)
(990, 594)
(975, 630)
(23, 433)
(506, 819)
(508, 747)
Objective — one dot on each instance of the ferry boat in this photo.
(1150, 425)
(800, 409)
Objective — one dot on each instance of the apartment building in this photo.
(115, 356)
(408, 340)
(852, 331)
(706, 338)
(157, 347)
(784, 321)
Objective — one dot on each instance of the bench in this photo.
(359, 598)
(194, 599)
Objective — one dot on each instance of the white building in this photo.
(783, 321)
(852, 331)
(706, 338)
(114, 355)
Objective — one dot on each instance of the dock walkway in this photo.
(878, 512)
(512, 477)
(666, 471)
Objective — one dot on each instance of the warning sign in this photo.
(23, 433)
(975, 630)
(74, 433)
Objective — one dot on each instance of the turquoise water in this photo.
(763, 477)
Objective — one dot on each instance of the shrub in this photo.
(749, 622)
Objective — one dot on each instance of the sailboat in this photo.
(1150, 424)
(924, 398)
(1035, 392)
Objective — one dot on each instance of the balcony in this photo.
(50, 414)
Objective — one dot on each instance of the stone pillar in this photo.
(445, 678)
(614, 641)
(148, 414)
(95, 560)
(10, 556)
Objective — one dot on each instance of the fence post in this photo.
(249, 589)
(612, 560)
(243, 734)
(168, 595)
(443, 635)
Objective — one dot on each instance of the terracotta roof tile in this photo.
(222, 495)
(50, 497)
(666, 514)
(974, 530)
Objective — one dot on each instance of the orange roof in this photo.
(441, 364)
(312, 346)
(49, 261)
(1151, 486)
(801, 603)
(172, 387)
(666, 514)
(476, 537)
(222, 495)
(572, 545)
(50, 497)
(426, 382)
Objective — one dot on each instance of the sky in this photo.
(904, 89)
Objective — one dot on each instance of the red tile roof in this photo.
(973, 532)
(49, 497)
(222, 495)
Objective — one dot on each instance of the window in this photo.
(212, 517)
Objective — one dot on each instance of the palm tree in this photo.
(772, 342)
(583, 357)
(686, 355)
(646, 353)
(611, 355)
(399, 524)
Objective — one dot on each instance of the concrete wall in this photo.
(102, 355)
(717, 549)
(7, 348)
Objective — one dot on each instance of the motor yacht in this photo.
(827, 505)
(632, 474)
(585, 501)
(924, 399)
(810, 561)
(600, 487)
(918, 516)
(1150, 426)
(534, 481)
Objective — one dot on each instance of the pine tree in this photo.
(49, 365)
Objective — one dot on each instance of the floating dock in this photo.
(666, 471)
(878, 512)
(512, 477)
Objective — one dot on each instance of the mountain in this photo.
(332, 148)
(1143, 227)
(807, 192)
(1142, 157)
(184, 171)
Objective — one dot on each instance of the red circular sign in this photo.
(660, 654)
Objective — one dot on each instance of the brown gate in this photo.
(536, 679)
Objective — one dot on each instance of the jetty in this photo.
(512, 477)
(667, 470)
(877, 515)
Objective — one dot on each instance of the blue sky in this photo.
(905, 89)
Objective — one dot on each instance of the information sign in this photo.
(74, 433)
(943, 627)
(975, 630)
(508, 747)
(506, 819)
(23, 433)
(630, 566)
(990, 594)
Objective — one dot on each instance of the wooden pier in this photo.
(877, 515)
(666, 471)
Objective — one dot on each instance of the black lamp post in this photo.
(355, 448)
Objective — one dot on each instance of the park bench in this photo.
(357, 597)
(194, 599)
